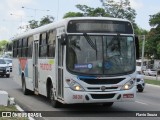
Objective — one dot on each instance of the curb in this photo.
(20, 109)
(26, 108)
(153, 85)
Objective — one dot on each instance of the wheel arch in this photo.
(48, 85)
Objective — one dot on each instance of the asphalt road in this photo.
(149, 100)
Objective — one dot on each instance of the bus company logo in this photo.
(44, 66)
(6, 114)
(103, 88)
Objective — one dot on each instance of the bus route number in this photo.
(77, 96)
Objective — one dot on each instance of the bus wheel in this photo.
(140, 90)
(24, 89)
(109, 104)
(54, 102)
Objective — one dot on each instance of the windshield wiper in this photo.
(90, 42)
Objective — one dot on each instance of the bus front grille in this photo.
(102, 81)
(102, 96)
(99, 88)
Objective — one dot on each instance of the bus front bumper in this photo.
(73, 97)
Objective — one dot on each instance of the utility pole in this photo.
(143, 43)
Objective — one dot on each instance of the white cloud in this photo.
(136, 4)
(4, 31)
(15, 7)
(12, 22)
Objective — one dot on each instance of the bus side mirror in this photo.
(137, 47)
(63, 39)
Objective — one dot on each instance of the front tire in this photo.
(140, 90)
(8, 75)
(54, 102)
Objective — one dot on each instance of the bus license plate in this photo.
(128, 95)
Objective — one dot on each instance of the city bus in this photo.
(78, 60)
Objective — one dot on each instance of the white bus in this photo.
(78, 60)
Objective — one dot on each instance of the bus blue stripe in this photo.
(85, 77)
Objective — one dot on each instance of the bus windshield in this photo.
(107, 55)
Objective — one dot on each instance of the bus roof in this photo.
(61, 23)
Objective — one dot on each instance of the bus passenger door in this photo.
(35, 63)
(60, 70)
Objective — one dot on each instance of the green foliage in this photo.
(155, 20)
(110, 8)
(45, 20)
(92, 12)
(152, 46)
(73, 14)
(120, 9)
(33, 24)
(3, 44)
(87, 11)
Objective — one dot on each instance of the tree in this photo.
(73, 14)
(110, 8)
(120, 9)
(35, 24)
(3, 43)
(87, 11)
(46, 20)
(153, 42)
(155, 20)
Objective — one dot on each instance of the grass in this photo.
(153, 82)
(10, 108)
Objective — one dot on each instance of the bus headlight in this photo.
(74, 85)
(128, 85)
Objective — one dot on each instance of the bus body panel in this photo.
(50, 68)
(47, 67)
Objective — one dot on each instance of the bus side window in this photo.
(15, 49)
(43, 45)
(51, 43)
(30, 46)
(25, 48)
(19, 50)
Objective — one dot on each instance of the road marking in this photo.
(20, 109)
(141, 102)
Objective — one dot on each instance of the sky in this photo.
(13, 15)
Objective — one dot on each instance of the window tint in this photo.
(43, 39)
(43, 45)
(20, 43)
(19, 52)
(51, 43)
(15, 45)
(30, 46)
(25, 42)
(43, 51)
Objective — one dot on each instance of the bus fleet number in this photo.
(77, 96)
